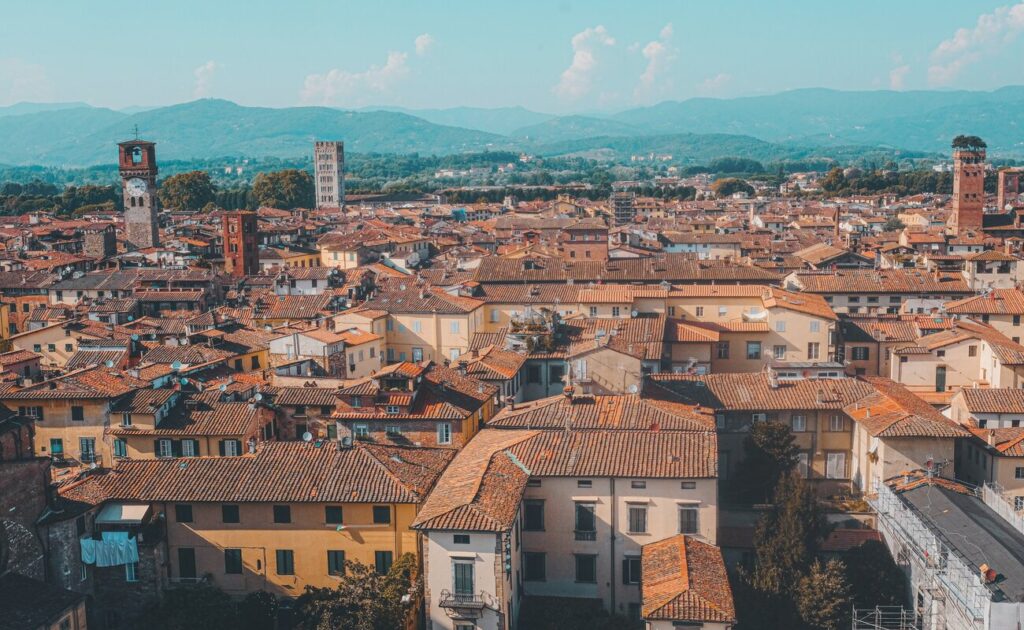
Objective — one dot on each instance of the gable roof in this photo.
(685, 580)
(286, 472)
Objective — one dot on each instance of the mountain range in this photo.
(794, 124)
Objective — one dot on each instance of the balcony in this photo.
(464, 606)
(586, 534)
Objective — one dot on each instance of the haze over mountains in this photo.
(794, 124)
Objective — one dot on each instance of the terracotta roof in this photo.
(623, 413)
(420, 300)
(894, 411)
(481, 489)
(655, 269)
(1000, 400)
(286, 472)
(995, 302)
(307, 396)
(98, 382)
(754, 392)
(684, 579)
(882, 281)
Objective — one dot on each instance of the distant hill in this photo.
(575, 128)
(31, 108)
(798, 124)
(209, 128)
(917, 120)
(499, 120)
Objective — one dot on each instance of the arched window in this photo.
(137, 155)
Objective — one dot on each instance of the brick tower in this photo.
(968, 189)
(241, 244)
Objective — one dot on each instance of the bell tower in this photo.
(137, 164)
(968, 188)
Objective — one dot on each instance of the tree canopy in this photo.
(187, 192)
(287, 189)
(728, 186)
(968, 142)
(363, 599)
(770, 451)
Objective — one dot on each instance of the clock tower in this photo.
(137, 164)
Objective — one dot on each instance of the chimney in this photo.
(991, 438)
(821, 396)
(988, 574)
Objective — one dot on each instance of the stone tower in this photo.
(137, 164)
(329, 173)
(968, 189)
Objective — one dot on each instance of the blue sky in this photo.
(558, 56)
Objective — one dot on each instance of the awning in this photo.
(122, 514)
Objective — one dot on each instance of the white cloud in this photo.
(576, 80)
(23, 81)
(659, 55)
(424, 43)
(714, 86)
(991, 33)
(898, 77)
(341, 87)
(204, 78)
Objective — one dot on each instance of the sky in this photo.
(555, 56)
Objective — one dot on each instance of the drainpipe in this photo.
(615, 510)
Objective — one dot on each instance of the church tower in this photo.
(968, 188)
(137, 164)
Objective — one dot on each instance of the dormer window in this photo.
(357, 402)
(393, 409)
(126, 419)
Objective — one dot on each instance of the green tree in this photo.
(288, 189)
(363, 599)
(970, 143)
(770, 451)
(187, 192)
(728, 186)
(893, 224)
(834, 181)
(192, 607)
(258, 611)
(823, 596)
(874, 577)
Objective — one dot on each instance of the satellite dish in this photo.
(307, 437)
(223, 388)
(184, 381)
(176, 366)
(634, 312)
(109, 363)
(633, 388)
(134, 337)
(132, 318)
(258, 397)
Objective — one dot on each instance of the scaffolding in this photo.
(885, 618)
(950, 593)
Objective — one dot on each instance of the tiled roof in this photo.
(754, 392)
(308, 396)
(894, 411)
(30, 603)
(143, 401)
(98, 382)
(286, 472)
(481, 488)
(84, 358)
(421, 300)
(684, 579)
(297, 306)
(1001, 400)
(598, 453)
(882, 281)
(622, 413)
(996, 302)
(655, 269)
(199, 416)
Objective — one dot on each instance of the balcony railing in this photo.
(464, 605)
(586, 534)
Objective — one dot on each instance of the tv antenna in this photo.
(135, 129)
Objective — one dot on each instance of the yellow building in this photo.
(71, 413)
(56, 342)
(283, 518)
(426, 324)
(161, 423)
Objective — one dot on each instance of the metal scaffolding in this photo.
(885, 618)
(953, 593)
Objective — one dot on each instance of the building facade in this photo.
(137, 165)
(329, 173)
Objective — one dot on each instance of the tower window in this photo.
(137, 155)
